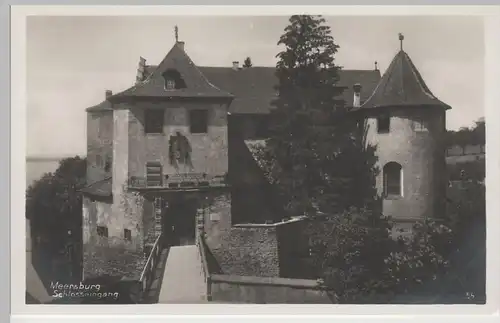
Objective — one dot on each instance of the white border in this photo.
(18, 121)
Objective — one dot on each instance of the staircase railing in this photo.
(148, 273)
(200, 241)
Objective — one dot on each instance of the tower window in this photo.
(153, 174)
(102, 231)
(420, 125)
(393, 180)
(127, 234)
(198, 120)
(383, 124)
(153, 120)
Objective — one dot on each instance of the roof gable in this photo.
(402, 85)
(197, 85)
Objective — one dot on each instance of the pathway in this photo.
(183, 280)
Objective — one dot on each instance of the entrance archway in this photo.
(179, 222)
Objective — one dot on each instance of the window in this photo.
(383, 124)
(169, 84)
(107, 166)
(153, 120)
(153, 174)
(102, 231)
(420, 125)
(198, 120)
(393, 180)
(127, 234)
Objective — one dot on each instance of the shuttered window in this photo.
(153, 174)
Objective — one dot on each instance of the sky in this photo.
(72, 61)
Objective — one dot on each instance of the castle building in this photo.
(165, 156)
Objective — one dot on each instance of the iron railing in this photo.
(148, 273)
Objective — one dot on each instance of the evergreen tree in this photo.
(314, 153)
(247, 63)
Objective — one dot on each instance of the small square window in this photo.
(383, 124)
(102, 231)
(127, 234)
(198, 120)
(153, 119)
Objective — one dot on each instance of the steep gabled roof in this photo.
(402, 86)
(197, 85)
(253, 88)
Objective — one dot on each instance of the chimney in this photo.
(236, 65)
(109, 93)
(140, 70)
(180, 44)
(357, 95)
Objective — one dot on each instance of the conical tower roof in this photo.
(402, 86)
(196, 84)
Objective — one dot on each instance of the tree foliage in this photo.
(54, 203)
(313, 155)
(475, 135)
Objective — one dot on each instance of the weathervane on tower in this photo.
(401, 38)
(176, 30)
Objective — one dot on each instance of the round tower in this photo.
(407, 125)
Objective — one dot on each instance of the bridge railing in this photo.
(148, 273)
(204, 265)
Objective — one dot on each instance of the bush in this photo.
(348, 252)
(355, 256)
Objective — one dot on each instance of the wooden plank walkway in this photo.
(183, 281)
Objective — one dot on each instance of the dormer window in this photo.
(169, 84)
(173, 80)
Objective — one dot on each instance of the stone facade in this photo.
(114, 253)
(99, 145)
(422, 157)
(209, 150)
